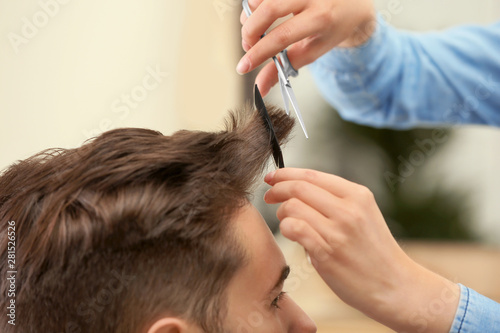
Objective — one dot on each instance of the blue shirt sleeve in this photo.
(476, 313)
(401, 79)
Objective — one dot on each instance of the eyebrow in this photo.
(285, 271)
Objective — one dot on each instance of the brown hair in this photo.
(131, 226)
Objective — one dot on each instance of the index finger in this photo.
(267, 13)
(287, 33)
(331, 183)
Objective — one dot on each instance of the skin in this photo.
(341, 227)
(252, 308)
(350, 245)
(315, 27)
(256, 302)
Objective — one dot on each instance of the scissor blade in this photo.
(286, 88)
(285, 97)
(291, 95)
(283, 81)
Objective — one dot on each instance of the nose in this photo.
(301, 322)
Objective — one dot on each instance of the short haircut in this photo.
(131, 226)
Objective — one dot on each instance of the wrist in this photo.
(362, 33)
(419, 301)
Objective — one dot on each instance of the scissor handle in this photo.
(287, 66)
(285, 69)
(246, 8)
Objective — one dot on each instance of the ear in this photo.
(169, 325)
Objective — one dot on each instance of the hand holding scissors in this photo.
(285, 69)
(315, 28)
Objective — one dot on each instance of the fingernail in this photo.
(269, 176)
(243, 66)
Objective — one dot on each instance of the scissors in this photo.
(284, 71)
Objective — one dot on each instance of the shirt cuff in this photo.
(475, 313)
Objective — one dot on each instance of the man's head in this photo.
(140, 232)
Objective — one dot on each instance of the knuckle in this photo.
(351, 221)
(291, 206)
(322, 253)
(337, 241)
(272, 10)
(283, 35)
(353, 212)
(310, 175)
(298, 188)
(324, 18)
(364, 193)
(245, 34)
(269, 9)
(298, 227)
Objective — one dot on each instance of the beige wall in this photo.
(436, 14)
(67, 78)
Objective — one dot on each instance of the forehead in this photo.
(263, 266)
(257, 239)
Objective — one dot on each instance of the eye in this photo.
(275, 302)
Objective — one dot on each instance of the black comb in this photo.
(261, 107)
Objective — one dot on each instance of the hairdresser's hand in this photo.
(315, 28)
(341, 227)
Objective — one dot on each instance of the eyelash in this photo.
(275, 302)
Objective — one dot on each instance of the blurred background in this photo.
(70, 70)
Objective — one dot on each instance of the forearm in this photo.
(418, 300)
(400, 80)
(421, 301)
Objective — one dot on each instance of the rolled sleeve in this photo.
(400, 79)
(476, 313)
